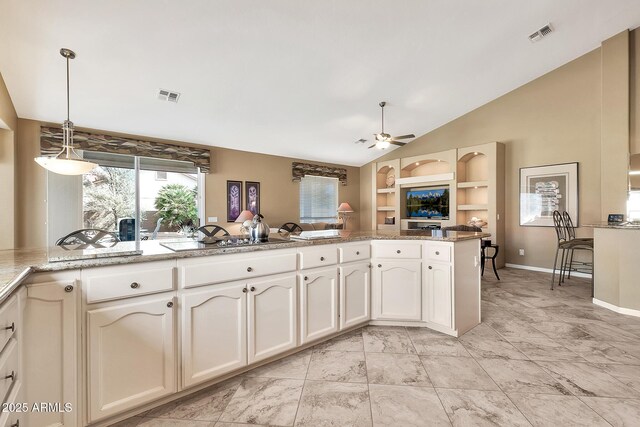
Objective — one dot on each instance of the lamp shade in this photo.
(64, 166)
(345, 207)
(244, 215)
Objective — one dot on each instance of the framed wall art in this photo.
(544, 189)
(252, 193)
(234, 200)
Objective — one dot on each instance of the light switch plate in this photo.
(211, 219)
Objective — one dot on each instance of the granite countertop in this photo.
(622, 226)
(16, 265)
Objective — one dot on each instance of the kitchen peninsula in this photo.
(146, 329)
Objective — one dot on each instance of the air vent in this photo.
(361, 141)
(542, 32)
(167, 95)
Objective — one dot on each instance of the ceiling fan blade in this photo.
(398, 143)
(404, 136)
(373, 146)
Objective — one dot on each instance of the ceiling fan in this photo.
(384, 140)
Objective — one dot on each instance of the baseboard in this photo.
(545, 270)
(621, 310)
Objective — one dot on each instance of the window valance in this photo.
(51, 143)
(300, 170)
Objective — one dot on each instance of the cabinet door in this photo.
(438, 298)
(318, 303)
(131, 355)
(214, 337)
(397, 290)
(50, 359)
(272, 316)
(355, 285)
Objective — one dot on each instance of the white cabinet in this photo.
(214, 332)
(355, 294)
(397, 290)
(130, 354)
(272, 316)
(318, 303)
(50, 340)
(438, 294)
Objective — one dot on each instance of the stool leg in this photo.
(555, 263)
(570, 265)
(493, 262)
(482, 258)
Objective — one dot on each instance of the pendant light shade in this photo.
(67, 161)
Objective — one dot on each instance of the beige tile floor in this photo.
(540, 357)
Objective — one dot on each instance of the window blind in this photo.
(318, 199)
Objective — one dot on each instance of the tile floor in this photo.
(540, 357)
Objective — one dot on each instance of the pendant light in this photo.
(67, 161)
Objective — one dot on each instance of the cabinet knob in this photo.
(379, 265)
(16, 424)
(170, 304)
(437, 252)
(11, 376)
(321, 258)
(249, 269)
(430, 268)
(253, 289)
(244, 290)
(398, 251)
(11, 328)
(135, 285)
(306, 277)
(68, 288)
(370, 266)
(357, 252)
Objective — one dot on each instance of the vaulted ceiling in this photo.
(287, 77)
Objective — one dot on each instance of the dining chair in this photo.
(290, 227)
(211, 230)
(88, 238)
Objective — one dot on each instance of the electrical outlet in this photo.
(212, 219)
(521, 252)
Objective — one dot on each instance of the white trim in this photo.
(545, 270)
(202, 206)
(621, 310)
(425, 179)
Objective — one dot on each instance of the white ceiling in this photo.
(289, 77)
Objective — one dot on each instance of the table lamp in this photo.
(343, 212)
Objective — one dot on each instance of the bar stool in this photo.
(486, 244)
(568, 245)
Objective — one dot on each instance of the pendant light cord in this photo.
(68, 88)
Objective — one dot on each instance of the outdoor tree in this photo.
(109, 194)
(176, 205)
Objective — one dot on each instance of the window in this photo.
(318, 199)
(125, 186)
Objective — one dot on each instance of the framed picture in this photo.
(252, 191)
(234, 200)
(544, 189)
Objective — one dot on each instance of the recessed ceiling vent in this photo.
(167, 95)
(541, 33)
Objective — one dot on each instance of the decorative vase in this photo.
(391, 180)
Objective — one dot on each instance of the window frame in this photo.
(334, 219)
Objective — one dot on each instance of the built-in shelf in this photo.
(473, 207)
(423, 220)
(473, 184)
(386, 226)
(427, 179)
(386, 208)
(386, 190)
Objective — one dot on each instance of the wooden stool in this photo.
(496, 248)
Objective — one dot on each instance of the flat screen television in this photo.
(428, 203)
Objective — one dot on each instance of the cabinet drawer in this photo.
(397, 249)
(125, 281)
(8, 368)
(8, 320)
(318, 257)
(438, 252)
(226, 268)
(350, 253)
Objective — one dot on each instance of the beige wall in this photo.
(634, 91)
(553, 119)
(8, 125)
(279, 197)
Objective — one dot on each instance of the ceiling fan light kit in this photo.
(384, 140)
(67, 161)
